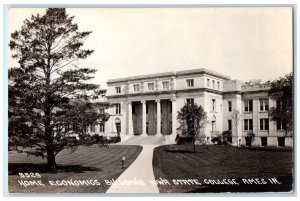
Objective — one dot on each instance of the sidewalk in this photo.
(140, 169)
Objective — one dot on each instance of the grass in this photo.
(86, 163)
(222, 162)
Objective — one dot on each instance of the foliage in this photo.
(224, 138)
(48, 77)
(192, 121)
(250, 137)
(282, 92)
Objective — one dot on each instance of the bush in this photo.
(183, 140)
(224, 138)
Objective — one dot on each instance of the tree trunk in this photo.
(51, 159)
(194, 146)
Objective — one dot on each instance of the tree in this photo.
(192, 120)
(282, 92)
(48, 49)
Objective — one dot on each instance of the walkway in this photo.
(140, 169)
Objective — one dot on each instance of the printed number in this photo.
(29, 175)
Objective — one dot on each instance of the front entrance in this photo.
(151, 117)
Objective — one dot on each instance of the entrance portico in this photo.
(151, 117)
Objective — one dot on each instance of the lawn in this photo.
(222, 162)
(87, 164)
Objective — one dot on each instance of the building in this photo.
(148, 105)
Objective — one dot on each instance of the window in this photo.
(146, 108)
(263, 104)
(190, 101)
(133, 109)
(264, 124)
(229, 125)
(248, 124)
(213, 84)
(136, 87)
(213, 105)
(118, 108)
(102, 128)
(218, 84)
(281, 141)
(281, 125)
(92, 129)
(190, 83)
(248, 105)
(208, 82)
(118, 90)
(170, 104)
(229, 106)
(118, 127)
(101, 110)
(264, 141)
(150, 86)
(147, 127)
(165, 85)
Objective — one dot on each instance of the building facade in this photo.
(148, 105)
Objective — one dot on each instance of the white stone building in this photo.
(148, 105)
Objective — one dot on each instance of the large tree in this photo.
(282, 92)
(47, 49)
(192, 120)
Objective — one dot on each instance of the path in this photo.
(140, 169)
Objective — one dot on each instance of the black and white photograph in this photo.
(150, 100)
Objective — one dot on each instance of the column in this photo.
(143, 117)
(158, 118)
(174, 118)
(130, 125)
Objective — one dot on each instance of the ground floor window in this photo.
(248, 141)
(281, 141)
(264, 141)
(102, 128)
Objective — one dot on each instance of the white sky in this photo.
(244, 43)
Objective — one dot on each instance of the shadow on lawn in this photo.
(15, 168)
(285, 186)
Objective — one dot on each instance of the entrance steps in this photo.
(149, 139)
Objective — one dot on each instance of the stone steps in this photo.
(142, 140)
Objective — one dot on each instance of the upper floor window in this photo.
(248, 124)
(213, 104)
(248, 105)
(190, 83)
(264, 124)
(229, 106)
(165, 84)
(264, 104)
(118, 108)
(208, 82)
(281, 125)
(213, 84)
(118, 90)
(280, 105)
(218, 85)
(136, 87)
(190, 101)
(150, 86)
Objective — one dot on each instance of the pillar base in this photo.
(144, 134)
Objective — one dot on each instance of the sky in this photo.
(243, 43)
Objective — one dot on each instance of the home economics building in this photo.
(148, 105)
